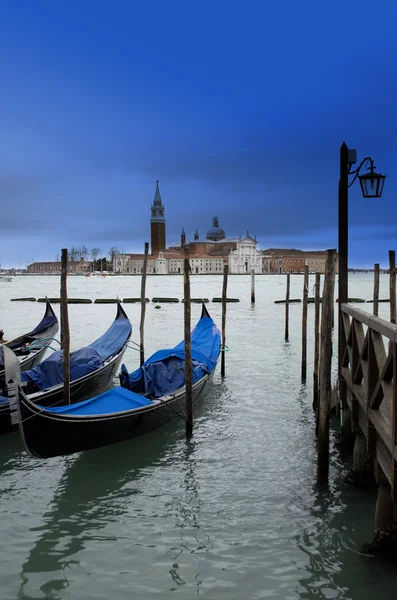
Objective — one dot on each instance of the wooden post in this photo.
(304, 323)
(65, 334)
(287, 308)
(376, 289)
(394, 424)
(392, 266)
(188, 345)
(343, 214)
(316, 339)
(224, 290)
(325, 370)
(252, 286)
(143, 306)
(333, 302)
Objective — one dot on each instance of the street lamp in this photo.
(372, 187)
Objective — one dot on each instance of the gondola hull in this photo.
(45, 330)
(92, 384)
(26, 363)
(46, 434)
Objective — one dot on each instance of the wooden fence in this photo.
(369, 368)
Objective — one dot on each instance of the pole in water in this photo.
(376, 289)
(287, 308)
(65, 334)
(325, 370)
(188, 344)
(252, 286)
(224, 296)
(316, 339)
(392, 267)
(143, 306)
(304, 323)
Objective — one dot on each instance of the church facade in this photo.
(206, 256)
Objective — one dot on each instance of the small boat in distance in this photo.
(120, 413)
(92, 370)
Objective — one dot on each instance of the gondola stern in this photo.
(204, 312)
(121, 314)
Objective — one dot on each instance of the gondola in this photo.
(92, 370)
(31, 347)
(147, 399)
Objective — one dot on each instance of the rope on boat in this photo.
(42, 343)
(225, 349)
(131, 347)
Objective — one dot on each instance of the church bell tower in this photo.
(157, 223)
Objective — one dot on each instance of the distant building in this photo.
(279, 260)
(157, 223)
(80, 266)
(208, 256)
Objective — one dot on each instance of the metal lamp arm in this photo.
(356, 172)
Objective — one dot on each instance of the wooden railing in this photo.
(369, 367)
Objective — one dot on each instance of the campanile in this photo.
(157, 223)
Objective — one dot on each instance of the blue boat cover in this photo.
(115, 400)
(45, 323)
(86, 360)
(113, 339)
(164, 372)
(50, 372)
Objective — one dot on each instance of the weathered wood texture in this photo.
(224, 298)
(376, 289)
(392, 267)
(287, 294)
(369, 368)
(252, 286)
(65, 334)
(343, 292)
(316, 340)
(143, 306)
(325, 369)
(304, 323)
(188, 344)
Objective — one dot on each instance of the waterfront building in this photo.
(50, 268)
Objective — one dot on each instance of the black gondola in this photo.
(31, 347)
(92, 370)
(121, 413)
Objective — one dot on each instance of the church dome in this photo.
(216, 233)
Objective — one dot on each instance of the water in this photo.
(233, 514)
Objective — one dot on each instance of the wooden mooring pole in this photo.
(325, 370)
(188, 344)
(316, 340)
(392, 283)
(376, 289)
(287, 293)
(252, 286)
(65, 334)
(224, 296)
(304, 323)
(143, 306)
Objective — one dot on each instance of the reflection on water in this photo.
(233, 513)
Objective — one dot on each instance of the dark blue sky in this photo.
(238, 108)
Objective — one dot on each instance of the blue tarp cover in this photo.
(50, 372)
(44, 324)
(113, 339)
(86, 360)
(115, 400)
(164, 372)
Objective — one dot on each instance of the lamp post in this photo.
(371, 187)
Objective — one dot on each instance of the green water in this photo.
(235, 513)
